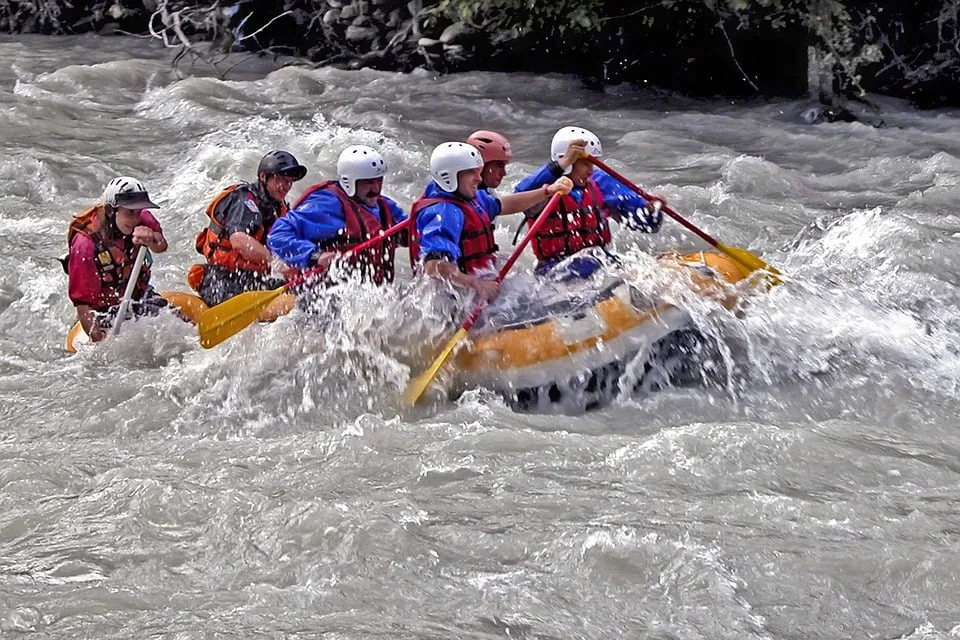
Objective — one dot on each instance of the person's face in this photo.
(494, 173)
(278, 186)
(582, 169)
(368, 190)
(468, 181)
(127, 220)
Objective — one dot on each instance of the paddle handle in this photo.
(673, 214)
(363, 246)
(128, 292)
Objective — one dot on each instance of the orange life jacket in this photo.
(573, 226)
(376, 263)
(114, 255)
(478, 248)
(214, 242)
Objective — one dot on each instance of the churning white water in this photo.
(275, 487)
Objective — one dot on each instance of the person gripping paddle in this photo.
(104, 243)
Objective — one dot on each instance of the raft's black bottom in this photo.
(673, 361)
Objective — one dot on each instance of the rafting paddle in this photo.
(746, 261)
(128, 292)
(228, 318)
(418, 385)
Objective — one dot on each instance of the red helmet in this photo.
(493, 146)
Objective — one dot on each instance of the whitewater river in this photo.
(276, 487)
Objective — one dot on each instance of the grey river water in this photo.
(275, 487)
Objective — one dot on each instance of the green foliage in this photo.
(836, 31)
(546, 17)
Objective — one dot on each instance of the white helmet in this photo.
(128, 193)
(449, 159)
(566, 135)
(359, 162)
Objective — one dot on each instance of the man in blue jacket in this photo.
(334, 216)
(454, 219)
(582, 219)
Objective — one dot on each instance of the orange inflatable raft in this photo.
(189, 307)
(580, 345)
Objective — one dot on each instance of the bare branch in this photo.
(285, 13)
(733, 55)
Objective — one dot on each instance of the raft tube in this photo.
(188, 307)
(584, 345)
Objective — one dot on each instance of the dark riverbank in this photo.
(791, 48)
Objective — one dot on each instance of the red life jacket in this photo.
(478, 248)
(376, 263)
(573, 226)
(214, 242)
(114, 257)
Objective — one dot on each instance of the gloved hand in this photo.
(648, 218)
(561, 185)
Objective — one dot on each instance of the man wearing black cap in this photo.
(240, 218)
(103, 242)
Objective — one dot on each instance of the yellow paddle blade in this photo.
(749, 263)
(419, 384)
(229, 318)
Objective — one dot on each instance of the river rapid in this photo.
(276, 487)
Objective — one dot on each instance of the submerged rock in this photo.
(820, 113)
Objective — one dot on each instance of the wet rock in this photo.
(360, 34)
(336, 4)
(455, 53)
(458, 33)
(393, 19)
(431, 52)
(331, 17)
(825, 113)
(117, 11)
(819, 113)
(350, 11)
(430, 46)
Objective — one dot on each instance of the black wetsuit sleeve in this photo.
(554, 168)
(240, 212)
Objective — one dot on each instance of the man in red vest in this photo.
(582, 219)
(336, 215)
(454, 219)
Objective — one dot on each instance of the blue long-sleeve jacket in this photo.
(440, 225)
(320, 217)
(616, 196)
